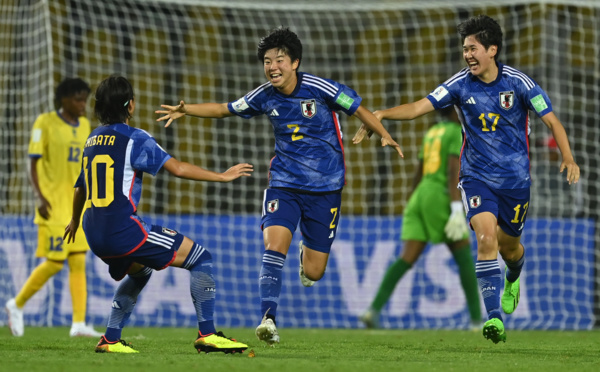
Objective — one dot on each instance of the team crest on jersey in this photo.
(507, 99)
(169, 231)
(309, 108)
(272, 205)
(475, 201)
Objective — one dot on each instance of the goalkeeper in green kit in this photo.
(434, 214)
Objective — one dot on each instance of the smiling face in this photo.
(480, 60)
(280, 70)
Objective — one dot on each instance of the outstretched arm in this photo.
(78, 203)
(189, 171)
(370, 121)
(203, 110)
(407, 111)
(560, 135)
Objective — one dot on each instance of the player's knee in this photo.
(487, 243)
(54, 266)
(313, 273)
(197, 257)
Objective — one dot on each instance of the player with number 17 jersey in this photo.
(121, 154)
(309, 155)
(495, 119)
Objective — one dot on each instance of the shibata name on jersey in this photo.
(309, 153)
(115, 157)
(495, 119)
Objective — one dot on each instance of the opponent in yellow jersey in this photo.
(55, 149)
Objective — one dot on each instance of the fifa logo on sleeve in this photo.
(309, 108)
(507, 99)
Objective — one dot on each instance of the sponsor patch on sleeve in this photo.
(344, 101)
(439, 93)
(539, 104)
(240, 105)
(36, 135)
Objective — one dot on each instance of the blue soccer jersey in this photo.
(309, 154)
(115, 158)
(495, 120)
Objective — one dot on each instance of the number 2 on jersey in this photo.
(296, 127)
(102, 175)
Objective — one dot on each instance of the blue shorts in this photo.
(318, 215)
(158, 252)
(509, 206)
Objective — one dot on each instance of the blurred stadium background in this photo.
(390, 52)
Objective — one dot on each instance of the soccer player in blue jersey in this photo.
(307, 173)
(494, 101)
(115, 157)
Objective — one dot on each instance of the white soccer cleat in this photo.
(370, 319)
(83, 330)
(15, 318)
(305, 281)
(267, 331)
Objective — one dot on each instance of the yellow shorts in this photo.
(52, 246)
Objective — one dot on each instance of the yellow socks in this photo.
(78, 286)
(39, 276)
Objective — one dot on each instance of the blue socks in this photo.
(124, 301)
(513, 269)
(202, 287)
(270, 281)
(489, 278)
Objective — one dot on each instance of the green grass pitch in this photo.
(308, 350)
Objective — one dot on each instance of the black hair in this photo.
(68, 88)
(485, 30)
(113, 97)
(283, 39)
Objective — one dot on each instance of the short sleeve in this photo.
(537, 100)
(247, 106)
(38, 139)
(146, 153)
(346, 100)
(441, 97)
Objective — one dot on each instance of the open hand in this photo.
(171, 112)
(237, 171)
(573, 171)
(70, 231)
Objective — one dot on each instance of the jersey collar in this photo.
(65, 120)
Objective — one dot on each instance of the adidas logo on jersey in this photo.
(331, 235)
(471, 101)
(274, 113)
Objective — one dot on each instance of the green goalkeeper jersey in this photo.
(442, 140)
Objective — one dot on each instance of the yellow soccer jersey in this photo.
(59, 145)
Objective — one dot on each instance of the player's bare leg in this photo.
(312, 265)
